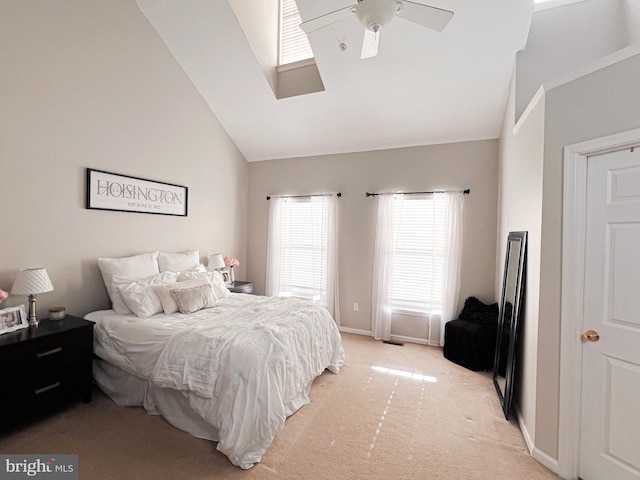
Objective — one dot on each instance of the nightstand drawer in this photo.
(41, 396)
(62, 350)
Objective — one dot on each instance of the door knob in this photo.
(590, 336)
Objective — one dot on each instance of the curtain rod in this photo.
(339, 194)
(466, 192)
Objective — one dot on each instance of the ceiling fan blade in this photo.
(370, 44)
(425, 15)
(325, 20)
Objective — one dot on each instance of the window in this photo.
(418, 259)
(416, 266)
(304, 250)
(302, 257)
(293, 42)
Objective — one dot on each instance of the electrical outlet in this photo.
(355, 307)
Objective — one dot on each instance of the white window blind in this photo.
(294, 44)
(304, 249)
(419, 255)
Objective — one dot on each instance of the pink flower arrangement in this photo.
(231, 262)
(3, 295)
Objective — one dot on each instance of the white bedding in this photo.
(245, 365)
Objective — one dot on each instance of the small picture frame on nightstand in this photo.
(12, 319)
(226, 276)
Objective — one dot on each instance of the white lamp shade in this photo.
(31, 281)
(215, 261)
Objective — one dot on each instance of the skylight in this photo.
(294, 45)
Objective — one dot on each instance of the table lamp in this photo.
(215, 262)
(32, 281)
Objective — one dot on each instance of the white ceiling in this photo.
(423, 88)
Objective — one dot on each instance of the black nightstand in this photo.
(43, 367)
(241, 287)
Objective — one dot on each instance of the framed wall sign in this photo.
(123, 193)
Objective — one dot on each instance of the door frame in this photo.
(574, 210)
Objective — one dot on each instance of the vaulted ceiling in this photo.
(423, 88)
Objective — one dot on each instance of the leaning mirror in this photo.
(510, 306)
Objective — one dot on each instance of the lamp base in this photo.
(33, 319)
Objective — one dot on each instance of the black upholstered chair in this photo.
(470, 340)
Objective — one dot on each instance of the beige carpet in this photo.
(364, 423)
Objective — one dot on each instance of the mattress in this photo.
(242, 366)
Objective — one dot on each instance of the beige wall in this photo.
(601, 100)
(87, 83)
(463, 165)
(521, 160)
(563, 39)
(596, 105)
(631, 12)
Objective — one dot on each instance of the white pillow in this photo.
(134, 267)
(215, 277)
(117, 302)
(169, 304)
(192, 299)
(178, 262)
(139, 296)
(199, 269)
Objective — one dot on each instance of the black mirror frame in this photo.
(506, 397)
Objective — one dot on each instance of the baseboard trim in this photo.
(366, 333)
(524, 430)
(394, 338)
(545, 460)
(538, 455)
(403, 339)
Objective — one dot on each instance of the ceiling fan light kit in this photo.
(375, 14)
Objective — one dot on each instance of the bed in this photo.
(230, 372)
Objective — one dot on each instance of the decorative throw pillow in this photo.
(134, 267)
(191, 300)
(200, 268)
(476, 311)
(215, 277)
(140, 296)
(117, 302)
(178, 262)
(169, 304)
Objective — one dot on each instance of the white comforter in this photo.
(245, 365)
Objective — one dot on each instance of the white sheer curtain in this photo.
(436, 293)
(274, 247)
(454, 203)
(302, 250)
(382, 267)
(333, 297)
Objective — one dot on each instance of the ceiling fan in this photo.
(375, 14)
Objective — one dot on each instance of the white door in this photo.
(610, 416)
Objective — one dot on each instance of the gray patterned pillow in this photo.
(191, 300)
